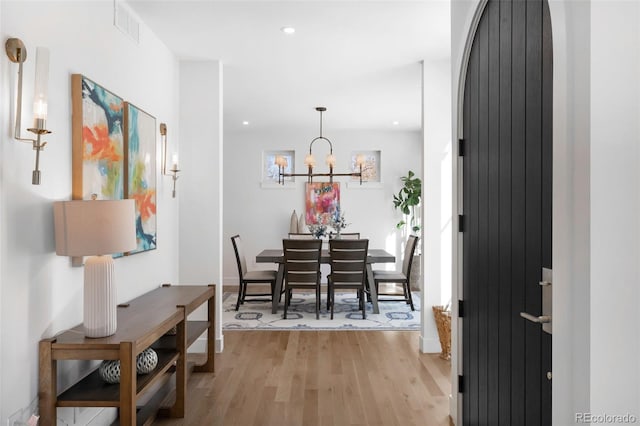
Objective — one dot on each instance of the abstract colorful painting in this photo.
(321, 201)
(98, 147)
(140, 181)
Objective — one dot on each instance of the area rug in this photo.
(302, 314)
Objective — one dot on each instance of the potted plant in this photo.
(407, 200)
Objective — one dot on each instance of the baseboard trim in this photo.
(429, 345)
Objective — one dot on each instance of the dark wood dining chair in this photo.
(301, 268)
(251, 277)
(399, 277)
(348, 270)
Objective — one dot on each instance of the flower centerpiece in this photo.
(318, 229)
(338, 222)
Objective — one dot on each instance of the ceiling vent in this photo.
(124, 20)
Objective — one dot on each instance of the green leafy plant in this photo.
(407, 199)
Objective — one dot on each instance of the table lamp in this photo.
(96, 228)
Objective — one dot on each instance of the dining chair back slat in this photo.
(350, 236)
(300, 236)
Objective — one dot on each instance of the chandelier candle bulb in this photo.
(174, 160)
(309, 161)
(331, 160)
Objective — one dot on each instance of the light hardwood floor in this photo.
(307, 378)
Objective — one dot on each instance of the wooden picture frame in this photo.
(97, 141)
(140, 178)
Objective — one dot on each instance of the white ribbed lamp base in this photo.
(100, 302)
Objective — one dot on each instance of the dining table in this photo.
(373, 256)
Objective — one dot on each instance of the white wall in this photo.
(437, 225)
(200, 185)
(41, 292)
(596, 205)
(572, 244)
(615, 207)
(261, 215)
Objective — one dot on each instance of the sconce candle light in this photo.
(17, 53)
(310, 161)
(173, 172)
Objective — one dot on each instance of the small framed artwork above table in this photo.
(270, 172)
(371, 170)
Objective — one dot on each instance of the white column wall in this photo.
(200, 185)
(615, 208)
(571, 210)
(436, 189)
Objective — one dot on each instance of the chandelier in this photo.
(310, 161)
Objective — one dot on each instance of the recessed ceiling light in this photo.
(245, 123)
(395, 123)
(288, 30)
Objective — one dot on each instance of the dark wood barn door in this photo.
(506, 223)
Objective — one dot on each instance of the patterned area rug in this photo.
(302, 314)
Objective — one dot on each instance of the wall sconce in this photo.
(173, 172)
(310, 161)
(17, 53)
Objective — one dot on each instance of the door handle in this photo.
(546, 285)
(542, 319)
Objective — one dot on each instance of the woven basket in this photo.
(443, 322)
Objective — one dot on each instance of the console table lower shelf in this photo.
(142, 323)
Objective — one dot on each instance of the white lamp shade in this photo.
(94, 227)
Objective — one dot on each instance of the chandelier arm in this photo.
(323, 138)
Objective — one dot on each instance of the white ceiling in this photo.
(360, 59)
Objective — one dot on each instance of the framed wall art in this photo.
(371, 170)
(97, 141)
(322, 199)
(140, 166)
(270, 169)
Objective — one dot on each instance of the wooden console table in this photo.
(143, 322)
